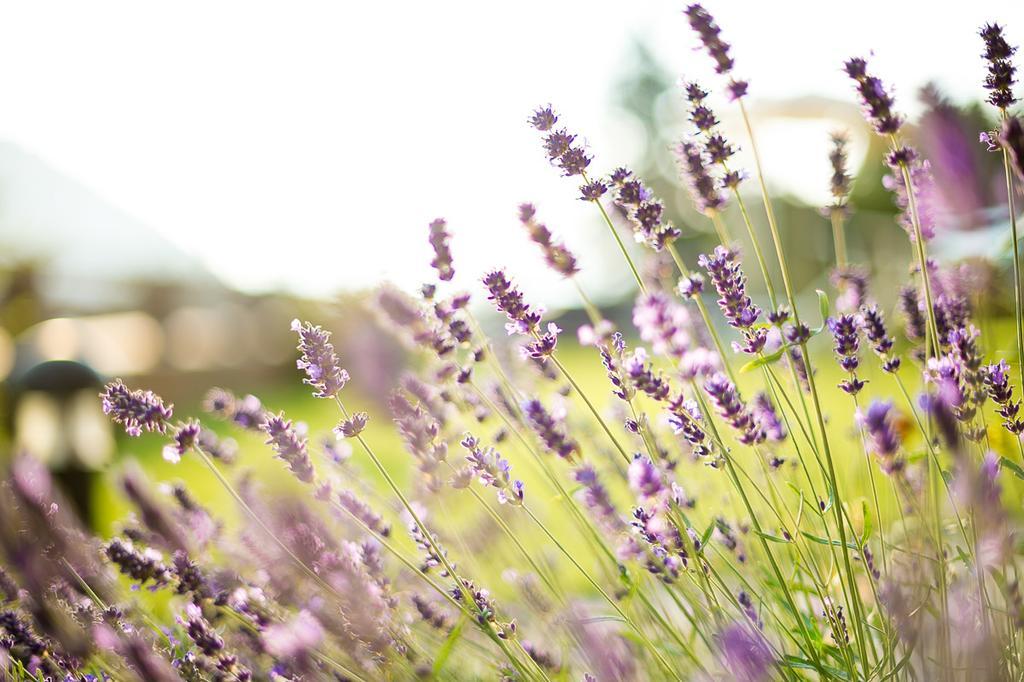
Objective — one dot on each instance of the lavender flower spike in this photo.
(550, 432)
(846, 333)
(724, 271)
(318, 360)
(884, 441)
(997, 382)
(723, 393)
(137, 411)
(493, 470)
(509, 300)
(877, 102)
(708, 31)
(442, 261)
(1001, 71)
(289, 446)
(558, 258)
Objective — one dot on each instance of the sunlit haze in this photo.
(307, 148)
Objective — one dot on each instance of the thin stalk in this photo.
(592, 408)
(712, 331)
(430, 540)
(1018, 313)
(618, 240)
(568, 555)
(838, 236)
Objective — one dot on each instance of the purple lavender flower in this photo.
(559, 144)
(723, 393)
(352, 426)
(135, 410)
(663, 323)
(362, 511)
(442, 261)
(923, 185)
(543, 347)
(686, 420)
(596, 499)
(509, 300)
(881, 342)
(493, 470)
(549, 430)
(723, 269)
(642, 376)
(558, 258)
(643, 209)
(185, 438)
(1001, 71)
(725, 273)
(420, 430)
(614, 362)
(746, 653)
(997, 381)
(693, 167)
(318, 360)
(910, 306)
(289, 446)
(708, 31)
(645, 478)
(1011, 137)
(768, 418)
(840, 180)
(846, 334)
(884, 441)
(852, 283)
(877, 102)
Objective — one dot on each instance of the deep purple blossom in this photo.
(877, 336)
(997, 381)
(509, 300)
(876, 100)
(724, 271)
(726, 398)
(137, 411)
(846, 336)
(1001, 72)
(709, 33)
(644, 210)
(687, 421)
(645, 478)
(185, 438)
(644, 377)
(318, 360)
(882, 437)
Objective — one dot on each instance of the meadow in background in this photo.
(736, 477)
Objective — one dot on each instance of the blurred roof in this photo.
(86, 249)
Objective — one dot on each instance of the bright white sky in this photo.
(308, 144)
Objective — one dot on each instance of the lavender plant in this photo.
(671, 530)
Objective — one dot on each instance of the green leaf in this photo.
(1012, 466)
(448, 646)
(707, 535)
(826, 541)
(763, 360)
(773, 538)
(869, 521)
(824, 307)
(804, 664)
